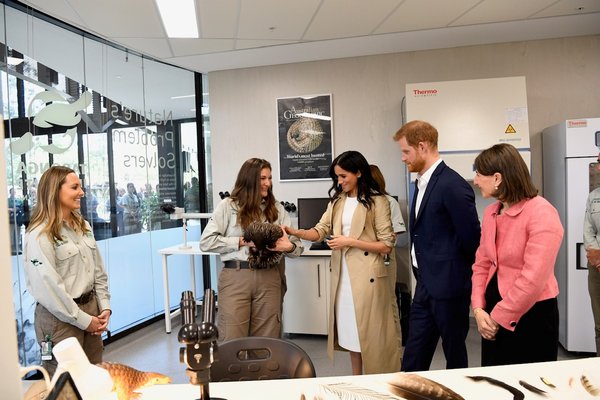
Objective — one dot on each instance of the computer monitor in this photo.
(310, 211)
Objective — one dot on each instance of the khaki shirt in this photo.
(59, 271)
(222, 233)
(591, 223)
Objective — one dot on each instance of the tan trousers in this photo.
(47, 324)
(594, 288)
(249, 303)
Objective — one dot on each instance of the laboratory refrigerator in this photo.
(570, 170)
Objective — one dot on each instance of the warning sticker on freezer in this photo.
(510, 129)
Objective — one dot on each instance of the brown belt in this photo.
(236, 264)
(85, 298)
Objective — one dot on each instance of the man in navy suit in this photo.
(444, 231)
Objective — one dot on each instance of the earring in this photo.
(495, 187)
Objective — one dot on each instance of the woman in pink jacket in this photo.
(514, 287)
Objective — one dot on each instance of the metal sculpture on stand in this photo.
(201, 348)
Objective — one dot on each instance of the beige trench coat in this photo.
(372, 285)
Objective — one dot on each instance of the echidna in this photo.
(305, 135)
(263, 235)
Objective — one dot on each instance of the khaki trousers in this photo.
(47, 324)
(249, 303)
(594, 289)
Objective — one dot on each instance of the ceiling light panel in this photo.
(179, 18)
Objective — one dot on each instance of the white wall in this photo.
(562, 75)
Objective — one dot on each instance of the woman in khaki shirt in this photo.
(64, 270)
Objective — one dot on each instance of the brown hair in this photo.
(378, 176)
(516, 181)
(246, 193)
(418, 131)
(48, 208)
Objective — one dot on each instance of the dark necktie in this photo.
(413, 211)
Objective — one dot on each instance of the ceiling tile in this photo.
(505, 10)
(119, 18)
(58, 8)
(188, 47)
(251, 44)
(218, 19)
(348, 18)
(415, 15)
(289, 18)
(157, 48)
(567, 7)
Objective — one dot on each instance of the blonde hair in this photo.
(48, 209)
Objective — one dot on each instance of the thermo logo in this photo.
(425, 92)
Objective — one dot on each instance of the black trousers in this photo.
(535, 338)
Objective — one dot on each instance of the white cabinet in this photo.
(305, 305)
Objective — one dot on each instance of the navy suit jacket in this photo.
(445, 234)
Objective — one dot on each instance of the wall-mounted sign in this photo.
(305, 137)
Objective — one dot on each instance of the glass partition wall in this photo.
(127, 125)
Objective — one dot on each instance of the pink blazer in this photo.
(521, 245)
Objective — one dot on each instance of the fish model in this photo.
(127, 380)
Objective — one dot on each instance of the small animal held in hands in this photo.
(264, 235)
(127, 380)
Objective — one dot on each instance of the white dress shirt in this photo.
(422, 181)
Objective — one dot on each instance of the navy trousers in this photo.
(430, 320)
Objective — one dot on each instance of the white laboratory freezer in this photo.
(570, 173)
(472, 115)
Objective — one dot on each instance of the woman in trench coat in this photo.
(364, 313)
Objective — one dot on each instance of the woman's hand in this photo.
(486, 326)
(337, 242)
(283, 244)
(99, 324)
(103, 318)
(94, 326)
(244, 243)
(289, 230)
(593, 256)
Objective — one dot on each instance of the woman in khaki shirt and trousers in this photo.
(250, 300)
(363, 309)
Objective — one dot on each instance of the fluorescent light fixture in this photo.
(179, 18)
(13, 61)
(183, 97)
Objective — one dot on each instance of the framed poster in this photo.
(305, 137)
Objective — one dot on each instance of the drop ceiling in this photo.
(248, 33)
